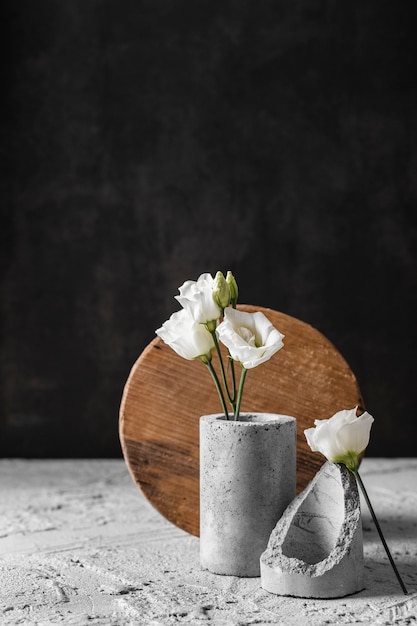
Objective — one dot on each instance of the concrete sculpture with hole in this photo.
(316, 548)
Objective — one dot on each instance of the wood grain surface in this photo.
(165, 395)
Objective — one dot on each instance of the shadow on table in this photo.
(401, 537)
(395, 528)
(380, 580)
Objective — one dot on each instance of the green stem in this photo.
(240, 392)
(223, 373)
(218, 387)
(232, 364)
(384, 543)
(232, 369)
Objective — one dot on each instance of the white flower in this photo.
(188, 338)
(250, 337)
(197, 298)
(342, 438)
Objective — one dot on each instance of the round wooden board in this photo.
(165, 395)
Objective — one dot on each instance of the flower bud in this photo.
(221, 291)
(234, 291)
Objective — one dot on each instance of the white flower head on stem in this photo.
(196, 296)
(250, 337)
(342, 438)
(187, 337)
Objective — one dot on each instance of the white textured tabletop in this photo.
(79, 544)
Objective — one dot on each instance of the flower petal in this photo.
(197, 298)
(354, 436)
(188, 338)
(250, 337)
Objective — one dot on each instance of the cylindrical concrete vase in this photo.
(247, 479)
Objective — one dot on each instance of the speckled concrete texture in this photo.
(80, 545)
(247, 479)
(316, 549)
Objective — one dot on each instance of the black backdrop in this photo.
(145, 142)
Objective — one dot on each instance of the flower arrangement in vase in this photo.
(209, 316)
(247, 460)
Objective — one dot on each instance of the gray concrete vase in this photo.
(247, 479)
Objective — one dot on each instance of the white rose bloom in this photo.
(342, 438)
(197, 298)
(250, 337)
(188, 338)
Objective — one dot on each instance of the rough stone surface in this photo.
(80, 545)
(247, 479)
(316, 549)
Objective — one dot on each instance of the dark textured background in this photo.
(144, 142)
